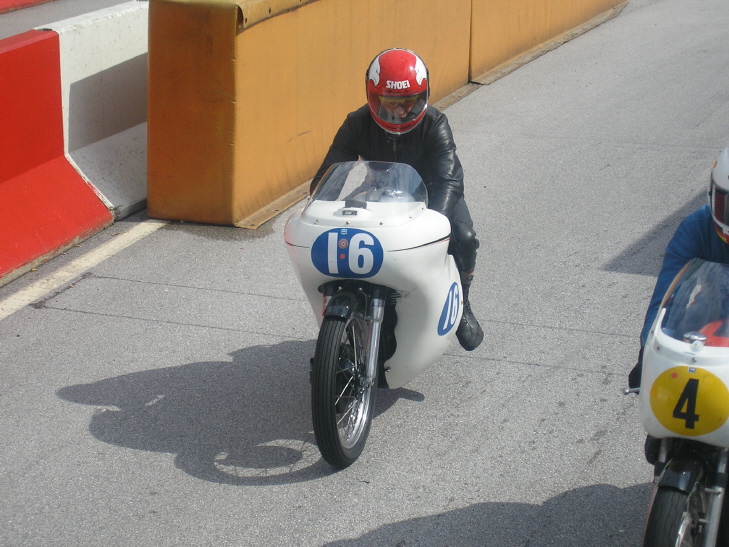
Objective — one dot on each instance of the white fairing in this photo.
(686, 359)
(387, 236)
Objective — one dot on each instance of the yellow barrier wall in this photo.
(504, 29)
(244, 103)
(245, 96)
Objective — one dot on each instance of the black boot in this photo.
(652, 449)
(469, 332)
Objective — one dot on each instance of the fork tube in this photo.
(657, 471)
(715, 495)
(376, 314)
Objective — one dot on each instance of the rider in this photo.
(398, 125)
(703, 234)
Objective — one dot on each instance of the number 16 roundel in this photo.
(348, 253)
(690, 401)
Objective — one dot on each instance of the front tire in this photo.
(674, 518)
(342, 401)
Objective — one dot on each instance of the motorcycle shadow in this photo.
(599, 515)
(246, 421)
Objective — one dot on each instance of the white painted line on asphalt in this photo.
(75, 268)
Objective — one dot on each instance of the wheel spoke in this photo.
(345, 388)
(349, 411)
(346, 419)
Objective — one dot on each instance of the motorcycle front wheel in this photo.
(674, 519)
(342, 401)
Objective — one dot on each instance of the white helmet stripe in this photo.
(374, 74)
(421, 73)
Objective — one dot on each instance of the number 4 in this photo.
(687, 400)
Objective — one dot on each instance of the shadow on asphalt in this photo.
(245, 421)
(645, 256)
(599, 515)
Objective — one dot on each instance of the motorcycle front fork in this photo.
(658, 469)
(375, 315)
(714, 491)
(715, 499)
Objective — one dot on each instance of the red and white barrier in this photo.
(45, 205)
(72, 132)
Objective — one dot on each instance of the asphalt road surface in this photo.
(160, 397)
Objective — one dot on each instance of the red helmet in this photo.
(397, 90)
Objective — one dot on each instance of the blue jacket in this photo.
(695, 237)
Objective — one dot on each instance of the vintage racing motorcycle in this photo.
(373, 261)
(684, 401)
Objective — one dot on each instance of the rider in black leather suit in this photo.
(419, 135)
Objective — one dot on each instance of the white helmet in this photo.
(719, 195)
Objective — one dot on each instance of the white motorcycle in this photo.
(684, 402)
(373, 261)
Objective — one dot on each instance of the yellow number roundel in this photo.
(690, 401)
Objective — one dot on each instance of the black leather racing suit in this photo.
(430, 149)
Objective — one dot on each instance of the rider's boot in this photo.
(469, 332)
(652, 449)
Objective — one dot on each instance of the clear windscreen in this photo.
(697, 304)
(359, 183)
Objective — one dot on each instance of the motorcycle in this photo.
(683, 405)
(373, 262)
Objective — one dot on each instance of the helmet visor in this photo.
(392, 103)
(398, 109)
(719, 201)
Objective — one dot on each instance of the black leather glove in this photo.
(635, 374)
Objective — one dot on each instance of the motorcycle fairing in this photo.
(684, 384)
(415, 263)
(449, 315)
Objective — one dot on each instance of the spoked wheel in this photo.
(342, 401)
(674, 518)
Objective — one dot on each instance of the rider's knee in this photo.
(464, 245)
(465, 237)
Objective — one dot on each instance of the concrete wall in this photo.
(266, 83)
(266, 99)
(104, 95)
(502, 30)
